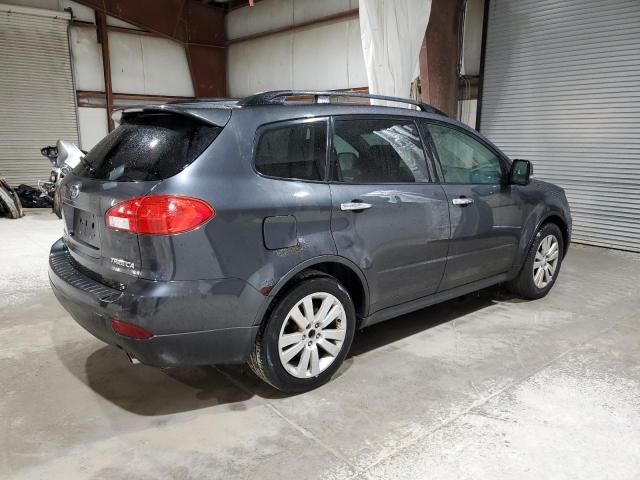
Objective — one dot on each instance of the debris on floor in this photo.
(32, 197)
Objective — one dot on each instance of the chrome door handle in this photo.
(462, 201)
(355, 206)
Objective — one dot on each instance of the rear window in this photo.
(296, 151)
(148, 147)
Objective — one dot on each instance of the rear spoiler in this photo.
(218, 116)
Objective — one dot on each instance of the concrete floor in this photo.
(484, 387)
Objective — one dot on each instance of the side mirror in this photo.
(521, 171)
(69, 154)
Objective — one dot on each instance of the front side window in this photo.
(295, 151)
(463, 159)
(377, 151)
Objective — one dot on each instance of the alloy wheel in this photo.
(312, 335)
(546, 261)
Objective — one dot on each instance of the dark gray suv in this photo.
(267, 230)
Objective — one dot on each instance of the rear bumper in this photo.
(194, 323)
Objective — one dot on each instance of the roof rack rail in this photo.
(202, 100)
(277, 97)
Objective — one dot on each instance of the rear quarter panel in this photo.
(231, 245)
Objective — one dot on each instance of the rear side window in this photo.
(378, 151)
(295, 151)
(148, 147)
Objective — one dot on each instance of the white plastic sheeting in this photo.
(392, 32)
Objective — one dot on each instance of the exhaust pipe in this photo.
(133, 360)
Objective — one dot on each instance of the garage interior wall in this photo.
(139, 72)
(138, 69)
(562, 88)
(36, 90)
(326, 56)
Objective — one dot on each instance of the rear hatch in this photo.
(150, 145)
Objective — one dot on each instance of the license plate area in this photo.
(85, 228)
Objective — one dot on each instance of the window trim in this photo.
(283, 123)
(504, 164)
(407, 119)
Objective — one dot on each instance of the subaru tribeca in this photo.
(266, 230)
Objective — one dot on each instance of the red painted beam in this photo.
(207, 65)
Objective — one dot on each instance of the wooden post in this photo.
(103, 40)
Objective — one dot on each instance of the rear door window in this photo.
(294, 150)
(378, 151)
(148, 147)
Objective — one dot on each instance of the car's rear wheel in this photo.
(542, 265)
(306, 336)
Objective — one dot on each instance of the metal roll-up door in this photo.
(562, 88)
(37, 97)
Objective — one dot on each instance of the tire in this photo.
(527, 284)
(10, 202)
(57, 201)
(287, 334)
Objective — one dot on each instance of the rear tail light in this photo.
(130, 330)
(159, 215)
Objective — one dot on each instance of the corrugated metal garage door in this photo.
(37, 98)
(562, 89)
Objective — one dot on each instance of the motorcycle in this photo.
(64, 157)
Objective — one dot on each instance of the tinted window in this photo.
(378, 151)
(293, 151)
(464, 159)
(147, 147)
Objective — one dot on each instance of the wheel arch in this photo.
(532, 228)
(562, 225)
(345, 271)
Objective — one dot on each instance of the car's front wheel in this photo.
(542, 265)
(306, 337)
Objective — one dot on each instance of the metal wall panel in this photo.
(326, 56)
(87, 59)
(148, 65)
(562, 89)
(93, 126)
(272, 14)
(36, 91)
